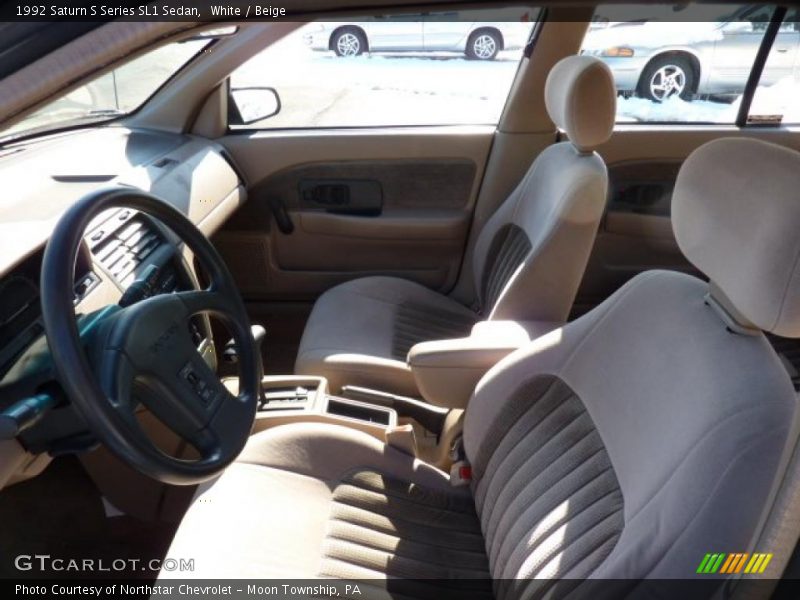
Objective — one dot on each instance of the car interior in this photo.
(504, 356)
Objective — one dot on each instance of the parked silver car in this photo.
(657, 59)
(409, 33)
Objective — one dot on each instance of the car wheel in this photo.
(483, 45)
(349, 42)
(665, 77)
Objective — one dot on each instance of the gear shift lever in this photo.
(259, 334)
(231, 354)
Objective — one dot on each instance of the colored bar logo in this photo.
(729, 564)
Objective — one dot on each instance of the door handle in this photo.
(282, 218)
(342, 196)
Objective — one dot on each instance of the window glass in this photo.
(440, 69)
(114, 94)
(685, 64)
(777, 97)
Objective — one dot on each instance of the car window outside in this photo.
(693, 68)
(396, 70)
(777, 97)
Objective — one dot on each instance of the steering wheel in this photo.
(149, 344)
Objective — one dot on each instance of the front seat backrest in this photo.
(530, 256)
(650, 432)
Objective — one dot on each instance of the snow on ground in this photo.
(780, 98)
(633, 110)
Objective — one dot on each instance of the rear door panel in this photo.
(443, 33)
(636, 232)
(396, 32)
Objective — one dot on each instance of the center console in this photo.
(290, 399)
(446, 372)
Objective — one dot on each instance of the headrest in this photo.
(581, 99)
(736, 216)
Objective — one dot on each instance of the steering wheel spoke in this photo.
(118, 379)
(198, 301)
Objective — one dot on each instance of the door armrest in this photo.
(447, 371)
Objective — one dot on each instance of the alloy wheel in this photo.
(484, 46)
(667, 81)
(348, 44)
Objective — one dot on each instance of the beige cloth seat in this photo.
(299, 487)
(528, 260)
(361, 331)
(625, 445)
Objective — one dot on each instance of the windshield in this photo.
(112, 95)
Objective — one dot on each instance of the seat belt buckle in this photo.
(460, 473)
(457, 450)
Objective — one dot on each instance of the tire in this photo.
(667, 76)
(483, 44)
(348, 41)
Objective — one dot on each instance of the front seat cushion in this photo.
(301, 509)
(360, 332)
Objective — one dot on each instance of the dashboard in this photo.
(125, 247)
(119, 247)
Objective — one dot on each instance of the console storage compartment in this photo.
(305, 399)
(360, 411)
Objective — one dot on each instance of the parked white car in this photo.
(407, 33)
(657, 59)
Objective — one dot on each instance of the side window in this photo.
(450, 68)
(685, 64)
(777, 97)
